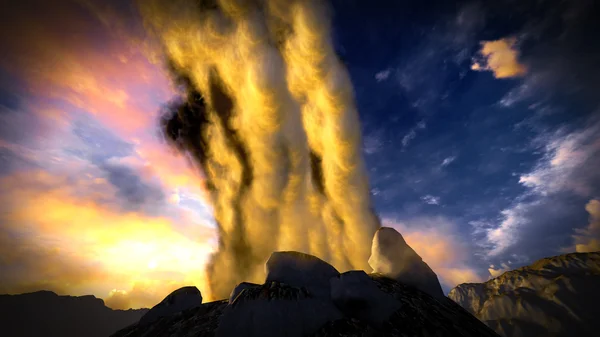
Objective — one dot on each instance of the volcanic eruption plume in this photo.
(270, 119)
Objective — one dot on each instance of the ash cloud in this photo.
(269, 117)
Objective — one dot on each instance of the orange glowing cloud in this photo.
(501, 58)
(175, 171)
(588, 238)
(52, 238)
(67, 53)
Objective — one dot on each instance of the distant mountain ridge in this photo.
(553, 297)
(44, 313)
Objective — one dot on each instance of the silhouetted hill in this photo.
(553, 297)
(45, 313)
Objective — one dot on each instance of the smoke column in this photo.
(269, 117)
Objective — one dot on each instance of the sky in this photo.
(480, 126)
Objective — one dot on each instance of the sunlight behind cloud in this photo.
(87, 235)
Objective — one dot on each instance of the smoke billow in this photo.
(270, 118)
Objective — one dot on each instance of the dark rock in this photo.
(45, 313)
(179, 300)
(356, 295)
(197, 322)
(301, 270)
(276, 309)
(269, 304)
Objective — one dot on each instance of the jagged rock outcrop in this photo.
(181, 299)
(393, 257)
(349, 304)
(44, 313)
(553, 297)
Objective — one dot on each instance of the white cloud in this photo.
(496, 271)
(431, 200)
(503, 236)
(383, 75)
(408, 137)
(412, 133)
(447, 161)
(570, 162)
(530, 86)
(568, 167)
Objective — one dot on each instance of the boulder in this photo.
(392, 257)
(179, 300)
(301, 270)
(356, 295)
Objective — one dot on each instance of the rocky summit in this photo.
(553, 297)
(393, 257)
(305, 296)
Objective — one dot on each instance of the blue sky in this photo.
(511, 162)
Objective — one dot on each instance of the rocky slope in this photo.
(45, 313)
(304, 296)
(553, 297)
(418, 315)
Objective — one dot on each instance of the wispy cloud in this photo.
(500, 238)
(567, 169)
(373, 143)
(383, 75)
(431, 200)
(448, 160)
(570, 162)
(412, 133)
(423, 75)
(501, 58)
(408, 137)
